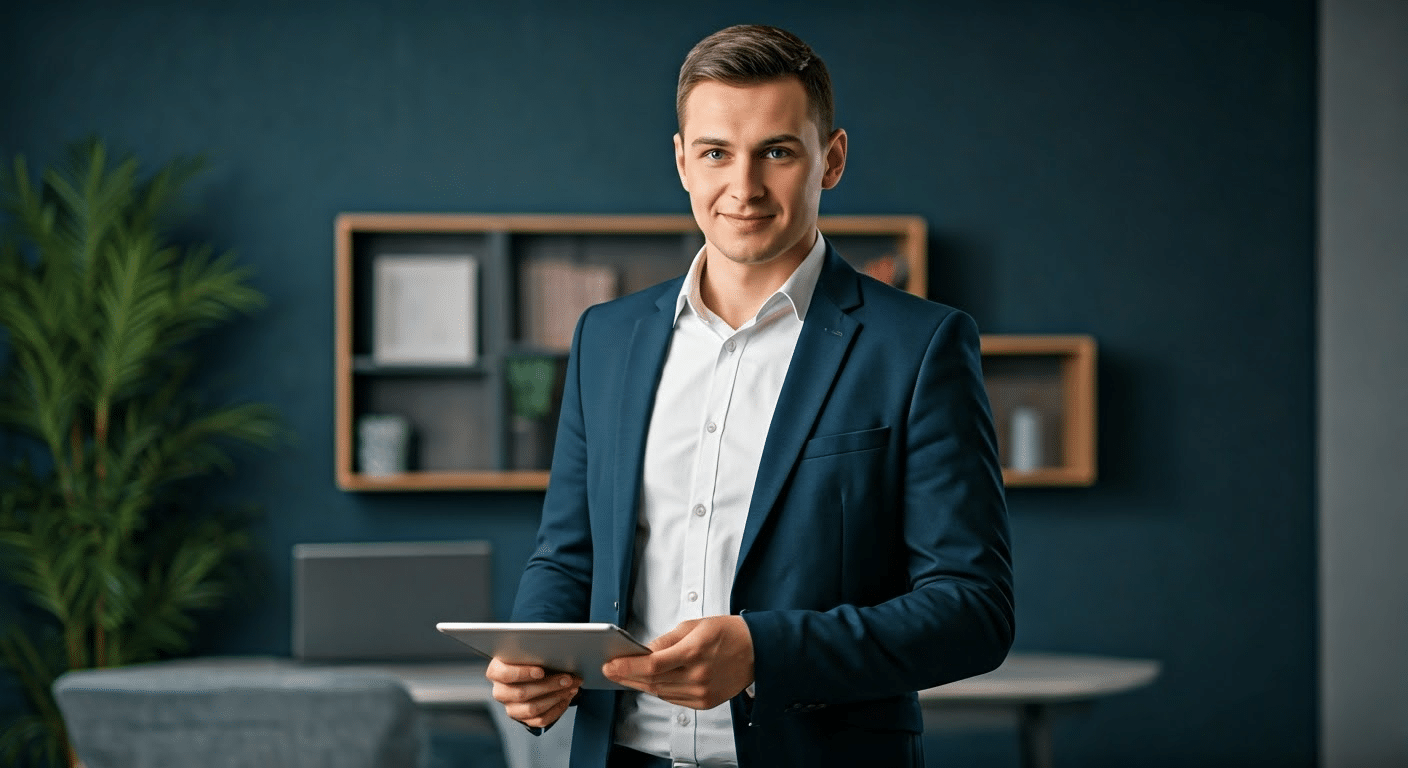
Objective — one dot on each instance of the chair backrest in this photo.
(235, 712)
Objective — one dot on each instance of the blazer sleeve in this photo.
(556, 582)
(956, 620)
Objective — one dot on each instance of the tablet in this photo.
(580, 649)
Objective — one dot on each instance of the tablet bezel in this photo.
(579, 649)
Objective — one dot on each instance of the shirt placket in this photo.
(694, 585)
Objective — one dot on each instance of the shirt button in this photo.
(682, 719)
(711, 426)
(699, 510)
(693, 597)
(731, 346)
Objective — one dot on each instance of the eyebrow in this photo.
(782, 138)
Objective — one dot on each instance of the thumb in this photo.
(673, 636)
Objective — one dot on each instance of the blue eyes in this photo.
(771, 153)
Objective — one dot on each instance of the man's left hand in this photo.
(699, 664)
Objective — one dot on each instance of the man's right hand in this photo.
(529, 694)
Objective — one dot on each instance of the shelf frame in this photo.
(477, 480)
(910, 233)
(1077, 354)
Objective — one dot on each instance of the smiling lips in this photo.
(748, 222)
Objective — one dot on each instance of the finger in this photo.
(683, 699)
(503, 672)
(679, 650)
(652, 664)
(644, 686)
(690, 694)
(540, 703)
(543, 711)
(651, 679)
(510, 693)
(638, 672)
(554, 714)
(673, 636)
(638, 668)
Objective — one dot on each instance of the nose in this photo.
(747, 182)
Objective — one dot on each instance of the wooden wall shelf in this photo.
(497, 480)
(467, 433)
(1053, 379)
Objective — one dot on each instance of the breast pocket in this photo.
(846, 442)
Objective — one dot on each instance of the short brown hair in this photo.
(752, 53)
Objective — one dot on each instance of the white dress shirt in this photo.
(713, 406)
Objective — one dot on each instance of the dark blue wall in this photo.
(1139, 171)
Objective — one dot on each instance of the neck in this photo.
(736, 291)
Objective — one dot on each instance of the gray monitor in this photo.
(380, 601)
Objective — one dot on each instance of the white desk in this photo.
(1025, 692)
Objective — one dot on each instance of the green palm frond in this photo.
(92, 201)
(102, 312)
(133, 303)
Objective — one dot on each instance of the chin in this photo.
(746, 253)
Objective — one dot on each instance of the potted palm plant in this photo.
(101, 313)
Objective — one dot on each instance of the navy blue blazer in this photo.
(875, 559)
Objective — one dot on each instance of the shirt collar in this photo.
(797, 290)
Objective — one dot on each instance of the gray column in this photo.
(1363, 383)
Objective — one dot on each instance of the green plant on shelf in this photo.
(100, 527)
(530, 381)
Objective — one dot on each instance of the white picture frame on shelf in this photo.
(425, 310)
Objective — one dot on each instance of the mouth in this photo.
(748, 221)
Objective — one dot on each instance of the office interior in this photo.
(1213, 189)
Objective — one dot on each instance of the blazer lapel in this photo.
(827, 334)
(645, 358)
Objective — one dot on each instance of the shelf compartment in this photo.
(1051, 377)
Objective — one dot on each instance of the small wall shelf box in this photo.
(1049, 379)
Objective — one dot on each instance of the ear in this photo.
(835, 159)
(679, 161)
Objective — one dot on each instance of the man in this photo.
(780, 472)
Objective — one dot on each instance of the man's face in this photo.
(754, 166)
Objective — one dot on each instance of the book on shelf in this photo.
(556, 293)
